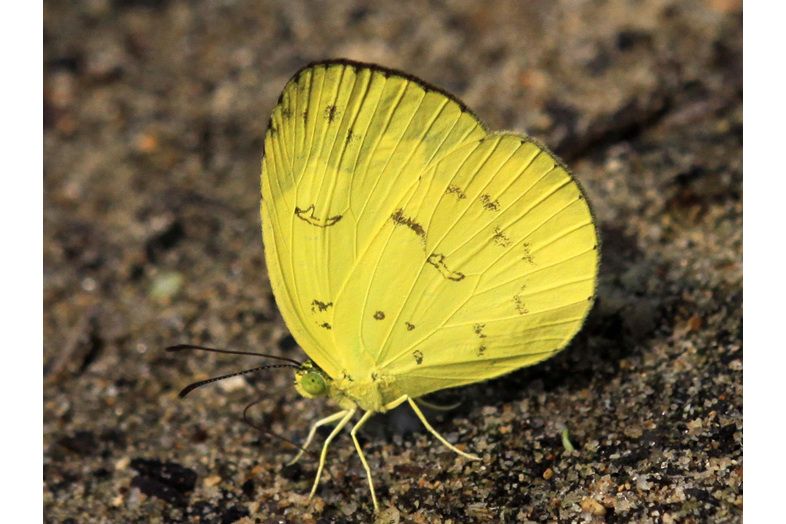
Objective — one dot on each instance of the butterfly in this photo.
(409, 248)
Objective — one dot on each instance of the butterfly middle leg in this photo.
(367, 415)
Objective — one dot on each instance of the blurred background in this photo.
(154, 115)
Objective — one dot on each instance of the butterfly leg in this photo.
(442, 439)
(396, 403)
(343, 422)
(363, 419)
(321, 422)
(439, 407)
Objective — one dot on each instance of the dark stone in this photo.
(233, 514)
(171, 474)
(154, 487)
(164, 240)
(628, 39)
(249, 488)
(292, 471)
(82, 443)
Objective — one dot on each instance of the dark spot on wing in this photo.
(326, 325)
(410, 326)
(438, 261)
(379, 315)
(307, 215)
(351, 136)
(321, 306)
(418, 356)
(478, 329)
(527, 256)
(518, 302)
(500, 238)
(399, 218)
(481, 349)
(305, 117)
(271, 127)
(331, 113)
(455, 190)
(488, 203)
(286, 113)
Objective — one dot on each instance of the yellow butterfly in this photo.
(409, 248)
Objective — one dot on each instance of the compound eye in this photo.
(313, 383)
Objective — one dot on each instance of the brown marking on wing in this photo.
(488, 203)
(307, 215)
(399, 219)
(351, 136)
(438, 261)
(455, 190)
(317, 305)
(331, 113)
(518, 302)
(500, 238)
(527, 256)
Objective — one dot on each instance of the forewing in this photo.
(345, 143)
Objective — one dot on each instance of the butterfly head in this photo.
(310, 381)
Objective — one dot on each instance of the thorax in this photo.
(371, 392)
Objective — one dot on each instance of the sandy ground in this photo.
(154, 119)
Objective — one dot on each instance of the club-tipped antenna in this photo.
(182, 347)
(191, 387)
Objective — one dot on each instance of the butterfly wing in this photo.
(486, 264)
(345, 142)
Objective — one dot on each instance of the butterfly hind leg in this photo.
(321, 422)
(438, 407)
(347, 415)
(442, 439)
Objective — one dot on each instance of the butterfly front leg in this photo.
(343, 422)
(321, 422)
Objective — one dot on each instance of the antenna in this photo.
(181, 347)
(191, 387)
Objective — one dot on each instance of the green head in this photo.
(310, 381)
